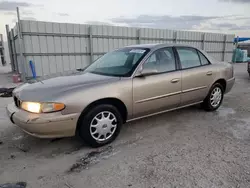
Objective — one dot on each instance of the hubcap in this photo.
(215, 97)
(103, 126)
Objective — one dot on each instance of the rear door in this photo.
(196, 75)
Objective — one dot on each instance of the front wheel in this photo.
(100, 125)
(214, 98)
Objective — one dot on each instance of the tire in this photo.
(104, 119)
(211, 105)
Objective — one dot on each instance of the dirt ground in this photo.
(183, 148)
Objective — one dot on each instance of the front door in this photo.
(161, 91)
(197, 75)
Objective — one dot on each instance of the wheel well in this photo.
(223, 83)
(113, 101)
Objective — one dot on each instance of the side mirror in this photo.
(146, 72)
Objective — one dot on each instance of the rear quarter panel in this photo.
(222, 70)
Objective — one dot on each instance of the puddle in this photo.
(92, 158)
(225, 111)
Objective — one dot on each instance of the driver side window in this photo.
(163, 60)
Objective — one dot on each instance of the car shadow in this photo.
(17, 141)
(52, 147)
(132, 132)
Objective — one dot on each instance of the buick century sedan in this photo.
(123, 85)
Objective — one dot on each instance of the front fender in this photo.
(78, 99)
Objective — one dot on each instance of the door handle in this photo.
(175, 80)
(209, 73)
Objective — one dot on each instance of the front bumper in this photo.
(50, 125)
(230, 84)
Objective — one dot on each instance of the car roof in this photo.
(157, 45)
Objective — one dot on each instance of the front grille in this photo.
(17, 102)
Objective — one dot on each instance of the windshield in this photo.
(121, 62)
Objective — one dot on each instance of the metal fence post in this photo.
(175, 37)
(2, 55)
(14, 52)
(22, 59)
(224, 47)
(10, 48)
(91, 44)
(203, 41)
(138, 36)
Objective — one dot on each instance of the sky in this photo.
(219, 16)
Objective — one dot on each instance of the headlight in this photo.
(36, 107)
(31, 106)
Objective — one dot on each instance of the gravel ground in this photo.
(183, 148)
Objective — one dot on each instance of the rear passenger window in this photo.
(204, 60)
(188, 58)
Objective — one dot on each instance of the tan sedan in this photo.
(123, 85)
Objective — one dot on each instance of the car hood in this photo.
(47, 89)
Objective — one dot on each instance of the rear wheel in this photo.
(214, 98)
(100, 125)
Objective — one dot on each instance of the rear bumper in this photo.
(50, 125)
(230, 84)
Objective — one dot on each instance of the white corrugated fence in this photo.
(61, 48)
